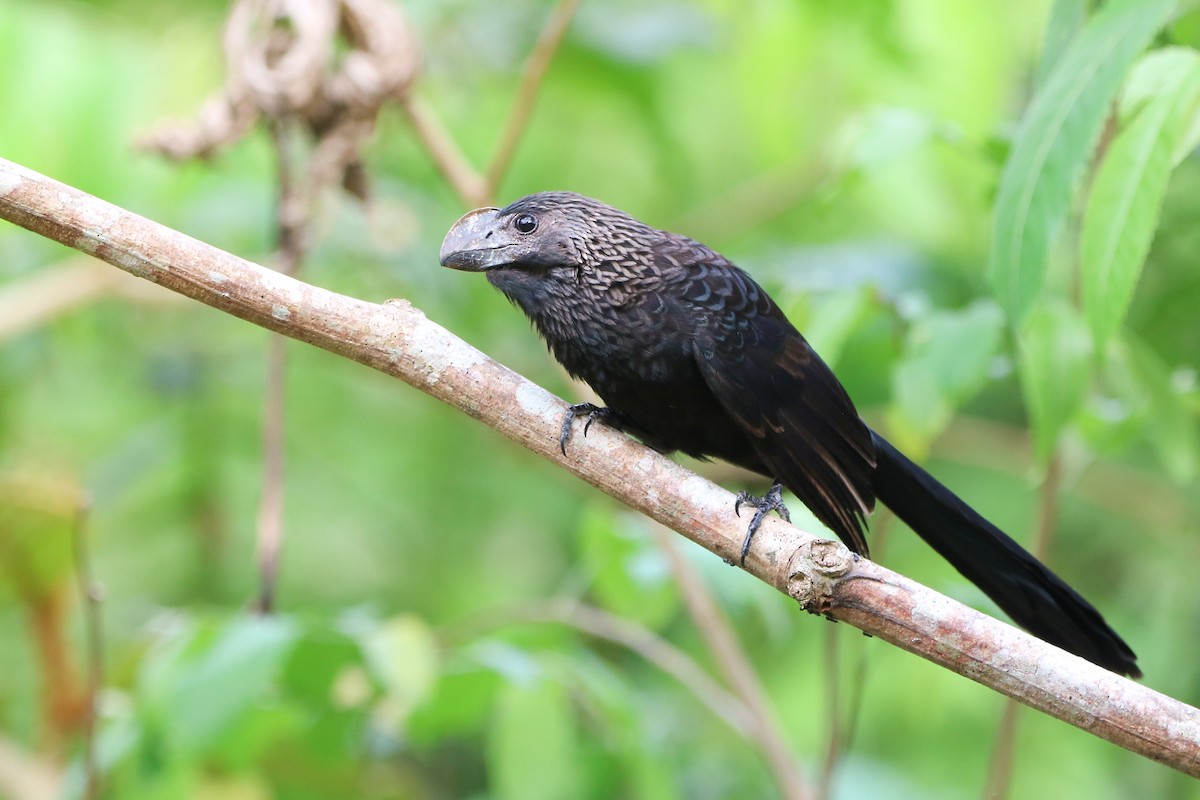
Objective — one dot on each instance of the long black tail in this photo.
(1036, 598)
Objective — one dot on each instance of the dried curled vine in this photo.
(329, 66)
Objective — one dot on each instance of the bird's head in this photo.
(543, 234)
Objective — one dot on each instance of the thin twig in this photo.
(755, 201)
(1113, 488)
(475, 189)
(531, 81)
(1000, 766)
(450, 160)
(833, 709)
(295, 199)
(635, 637)
(396, 338)
(271, 502)
(1047, 519)
(33, 301)
(735, 667)
(291, 244)
(57, 289)
(90, 596)
(843, 722)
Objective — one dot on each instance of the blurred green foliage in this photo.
(864, 160)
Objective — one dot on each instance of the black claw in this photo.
(593, 413)
(771, 501)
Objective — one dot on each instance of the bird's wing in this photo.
(786, 400)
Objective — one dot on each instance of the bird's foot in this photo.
(590, 410)
(771, 501)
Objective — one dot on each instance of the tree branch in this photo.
(28, 303)
(1002, 762)
(823, 576)
(90, 595)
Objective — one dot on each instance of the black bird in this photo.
(690, 354)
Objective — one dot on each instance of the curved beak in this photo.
(473, 243)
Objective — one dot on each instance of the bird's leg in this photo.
(590, 410)
(771, 501)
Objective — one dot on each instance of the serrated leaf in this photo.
(1157, 73)
(1160, 102)
(1161, 73)
(1055, 366)
(532, 752)
(1055, 143)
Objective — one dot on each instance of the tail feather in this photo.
(1035, 598)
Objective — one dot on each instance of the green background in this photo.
(851, 156)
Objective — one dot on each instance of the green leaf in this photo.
(1055, 366)
(1107, 425)
(1169, 72)
(532, 751)
(835, 318)
(36, 555)
(263, 728)
(1185, 27)
(458, 706)
(1054, 146)
(1161, 100)
(1148, 386)
(882, 135)
(630, 576)
(947, 358)
(221, 679)
(403, 654)
(318, 660)
(1067, 18)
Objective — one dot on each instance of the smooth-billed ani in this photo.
(690, 354)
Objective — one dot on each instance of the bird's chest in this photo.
(639, 357)
(618, 344)
(644, 370)
(636, 350)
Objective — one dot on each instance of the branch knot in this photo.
(814, 570)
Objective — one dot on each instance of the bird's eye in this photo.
(526, 223)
